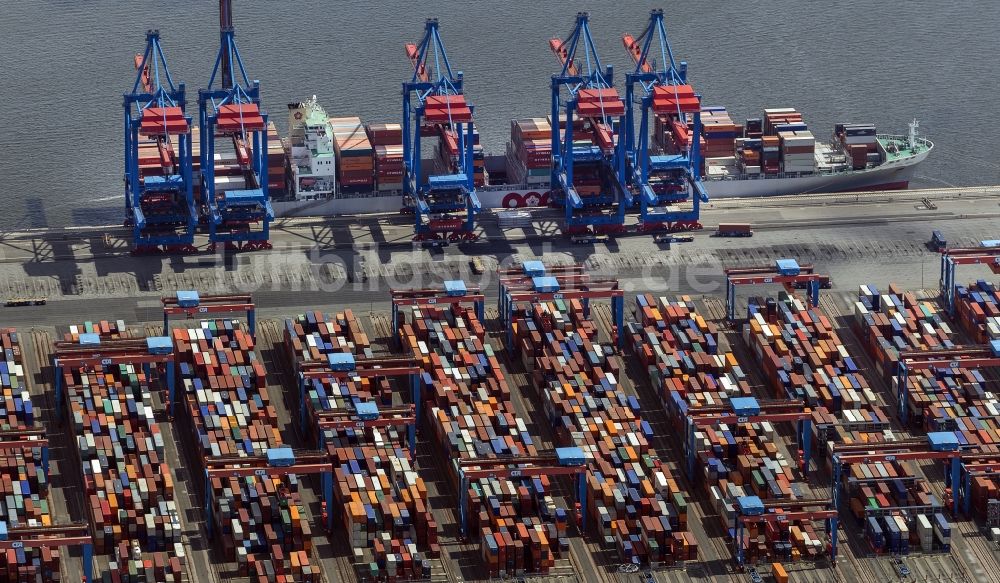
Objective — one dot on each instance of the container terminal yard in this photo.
(631, 381)
(536, 398)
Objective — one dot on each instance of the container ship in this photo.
(657, 152)
(342, 166)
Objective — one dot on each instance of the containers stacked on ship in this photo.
(248, 473)
(749, 148)
(803, 357)
(387, 139)
(665, 181)
(859, 144)
(24, 485)
(444, 204)
(529, 153)
(448, 155)
(355, 156)
(238, 207)
(126, 478)
(159, 195)
(378, 496)
(313, 162)
(588, 174)
(513, 514)
(633, 503)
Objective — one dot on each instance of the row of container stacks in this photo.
(803, 357)
(355, 156)
(633, 502)
(127, 482)
(895, 322)
(529, 151)
(387, 139)
(259, 521)
(515, 519)
(106, 329)
(859, 143)
(312, 336)
(24, 490)
(978, 309)
(895, 534)
(947, 398)
(785, 540)
(877, 485)
(680, 349)
(380, 499)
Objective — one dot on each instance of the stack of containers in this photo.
(228, 174)
(107, 330)
(587, 176)
(748, 154)
(731, 460)
(877, 486)
(978, 308)
(770, 154)
(896, 322)
(719, 131)
(633, 502)
(380, 499)
(754, 128)
(448, 155)
(310, 337)
(798, 151)
(387, 139)
(529, 151)
(804, 358)
(859, 143)
(519, 527)
(778, 117)
(672, 134)
(679, 349)
(355, 157)
(259, 520)
(128, 564)
(23, 487)
(277, 163)
(126, 479)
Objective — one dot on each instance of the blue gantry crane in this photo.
(662, 181)
(230, 109)
(444, 203)
(588, 151)
(787, 272)
(159, 194)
